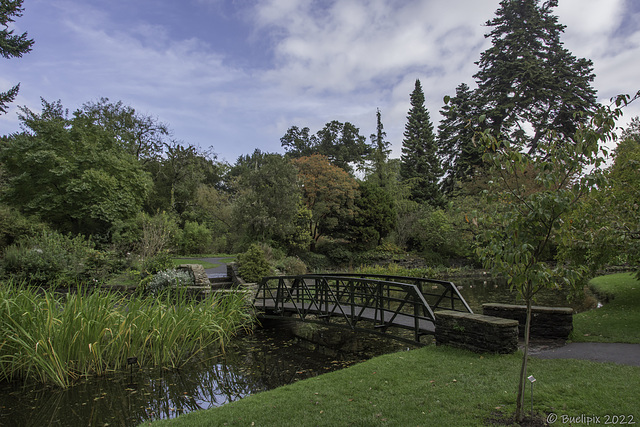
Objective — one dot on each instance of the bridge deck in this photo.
(400, 320)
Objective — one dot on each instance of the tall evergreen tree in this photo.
(527, 79)
(11, 45)
(461, 156)
(420, 166)
(380, 172)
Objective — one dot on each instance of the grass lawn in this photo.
(618, 320)
(431, 386)
(452, 387)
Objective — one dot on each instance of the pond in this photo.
(268, 358)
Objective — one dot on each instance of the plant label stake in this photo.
(532, 380)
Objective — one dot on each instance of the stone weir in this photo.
(203, 284)
(546, 322)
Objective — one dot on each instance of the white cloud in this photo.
(318, 61)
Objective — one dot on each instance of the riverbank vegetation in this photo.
(57, 338)
(447, 386)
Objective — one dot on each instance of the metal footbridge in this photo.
(373, 303)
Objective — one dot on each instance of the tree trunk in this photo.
(523, 369)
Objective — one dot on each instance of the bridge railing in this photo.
(439, 294)
(353, 298)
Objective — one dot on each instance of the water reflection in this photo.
(477, 291)
(264, 360)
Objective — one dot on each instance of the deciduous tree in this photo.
(70, 172)
(340, 142)
(529, 218)
(328, 192)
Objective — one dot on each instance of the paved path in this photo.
(219, 271)
(625, 354)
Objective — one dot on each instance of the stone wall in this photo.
(198, 273)
(476, 332)
(546, 322)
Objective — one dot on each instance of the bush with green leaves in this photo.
(195, 238)
(253, 264)
(292, 266)
(168, 279)
(54, 259)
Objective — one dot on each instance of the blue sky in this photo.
(234, 75)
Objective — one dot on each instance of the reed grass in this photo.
(58, 338)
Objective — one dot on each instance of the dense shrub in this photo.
(336, 251)
(195, 238)
(292, 266)
(168, 279)
(55, 259)
(14, 225)
(156, 263)
(253, 265)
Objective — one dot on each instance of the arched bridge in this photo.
(380, 301)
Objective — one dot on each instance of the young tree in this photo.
(532, 215)
(528, 79)
(420, 165)
(461, 156)
(11, 46)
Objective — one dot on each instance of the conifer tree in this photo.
(11, 45)
(379, 154)
(420, 166)
(528, 80)
(461, 156)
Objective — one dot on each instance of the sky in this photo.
(234, 75)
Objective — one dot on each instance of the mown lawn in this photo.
(450, 387)
(618, 320)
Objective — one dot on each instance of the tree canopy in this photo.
(528, 79)
(340, 142)
(70, 172)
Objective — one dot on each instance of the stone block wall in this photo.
(476, 332)
(198, 273)
(546, 322)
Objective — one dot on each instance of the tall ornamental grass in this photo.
(56, 339)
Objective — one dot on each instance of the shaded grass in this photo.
(431, 386)
(618, 320)
(56, 339)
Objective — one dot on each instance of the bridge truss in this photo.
(378, 300)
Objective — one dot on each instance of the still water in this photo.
(268, 358)
(479, 290)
